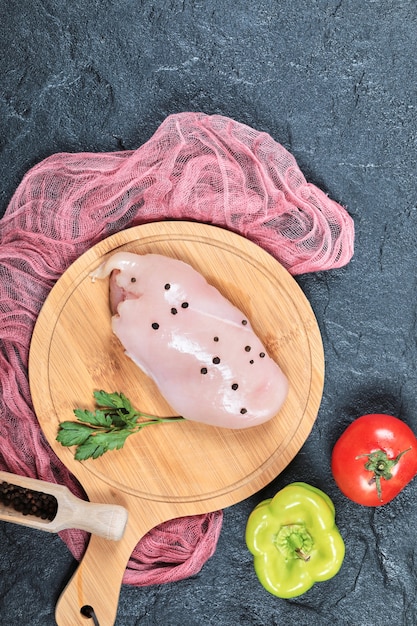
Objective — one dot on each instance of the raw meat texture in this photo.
(200, 350)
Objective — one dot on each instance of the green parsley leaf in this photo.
(96, 418)
(72, 434)
(113, 440)
(89, 450)
(113, 400)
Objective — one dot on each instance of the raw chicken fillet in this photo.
(200, 350)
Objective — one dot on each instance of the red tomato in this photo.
(374, 459)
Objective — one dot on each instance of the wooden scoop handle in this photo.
(105, 520)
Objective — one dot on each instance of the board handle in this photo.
(106, 520)
(94, 589)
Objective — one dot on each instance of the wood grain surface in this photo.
(182, 468)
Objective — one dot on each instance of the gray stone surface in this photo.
(334, 81)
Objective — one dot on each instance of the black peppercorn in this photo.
(28, 502)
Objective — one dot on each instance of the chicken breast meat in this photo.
(199, 348)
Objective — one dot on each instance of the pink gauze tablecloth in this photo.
(210, 169)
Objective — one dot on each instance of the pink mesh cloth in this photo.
(205, 168)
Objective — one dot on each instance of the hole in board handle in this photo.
(88, 612)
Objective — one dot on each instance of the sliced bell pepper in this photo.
(294, 540)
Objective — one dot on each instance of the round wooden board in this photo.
(184, 467)
(73, 352)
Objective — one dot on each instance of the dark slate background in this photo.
(334, 81)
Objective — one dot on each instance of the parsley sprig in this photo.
(106, 428)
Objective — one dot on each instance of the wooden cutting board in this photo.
(182, 468)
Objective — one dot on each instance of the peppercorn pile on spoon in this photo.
(182, 468)
(52, 508)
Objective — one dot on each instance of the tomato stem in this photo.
(381, 466)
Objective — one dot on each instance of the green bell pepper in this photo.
(294, 540)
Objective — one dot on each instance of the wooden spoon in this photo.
(106, 520)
